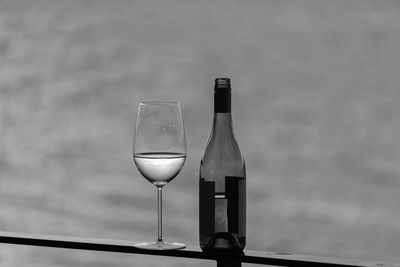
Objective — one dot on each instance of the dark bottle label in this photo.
(207, 206)
(235, 188)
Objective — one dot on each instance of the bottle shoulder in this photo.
(222, 153)
(222, 148)
(223, 157)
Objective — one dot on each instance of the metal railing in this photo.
(222, 259)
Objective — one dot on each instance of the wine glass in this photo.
(159, 152)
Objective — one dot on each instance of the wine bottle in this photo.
(222, 192)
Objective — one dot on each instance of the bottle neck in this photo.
(222, 101)
(222, 123)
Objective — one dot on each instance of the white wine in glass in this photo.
(160, 167)
(159, 152)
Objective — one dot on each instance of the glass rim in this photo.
(159, 103)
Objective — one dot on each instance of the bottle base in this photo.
(224, 242)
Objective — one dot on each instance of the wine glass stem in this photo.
(159, 198)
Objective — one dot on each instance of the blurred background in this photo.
(316, 109)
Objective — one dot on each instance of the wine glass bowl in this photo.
(159, 152)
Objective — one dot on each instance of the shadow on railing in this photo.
(222, 259)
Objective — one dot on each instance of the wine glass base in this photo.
(159, 245)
